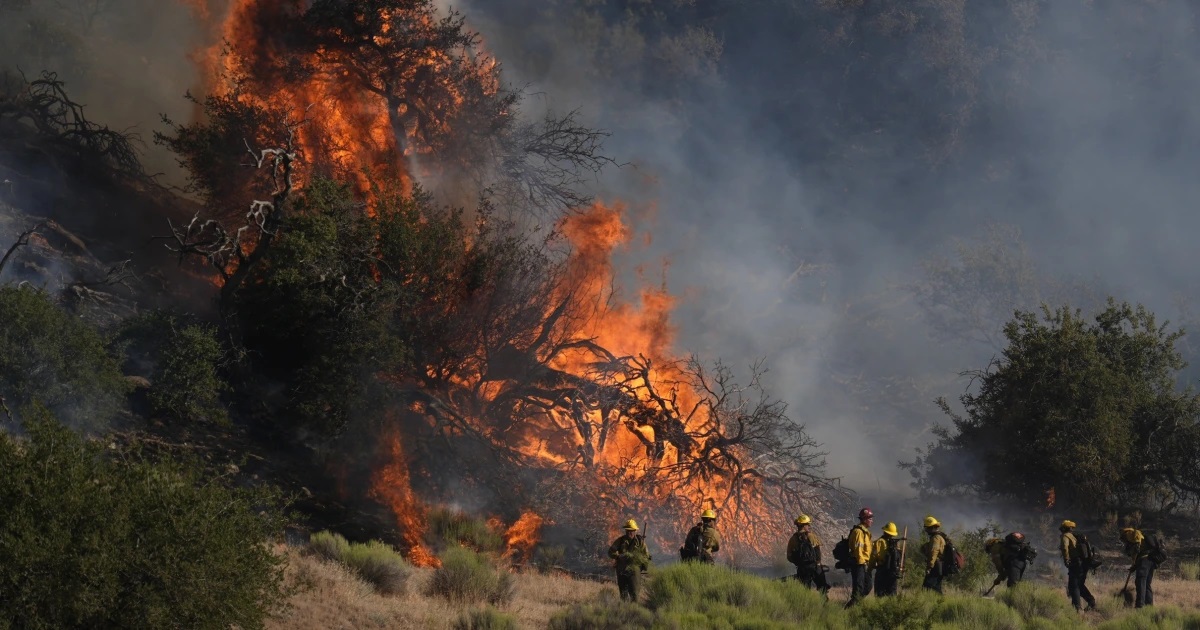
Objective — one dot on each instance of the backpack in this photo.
(841, 553)
(892, 560)
(1157, 549)
(690, 550)
(1087, 554)
(953, 562)
(806, 553)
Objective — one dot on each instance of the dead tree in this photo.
(232, 253)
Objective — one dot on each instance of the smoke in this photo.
(126, 61)
(795, 161)
(803, 158)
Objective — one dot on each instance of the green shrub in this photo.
(448, 527)
(608, 614)
(978, 613)
(909, 609)
(1032, 601)
(183, 361)
(1155, 618)
(724, 595)
(467, 576)
(978, 570)
(328, 545)
(96, 537)
(373, 561)
(485, 619)
(46, 355)
(1189, 570)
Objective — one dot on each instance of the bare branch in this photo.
(22, 240)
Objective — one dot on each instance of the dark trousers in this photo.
(1144, 580)
(1077, 586)
(812, 577)
(1013, 572)
(933, 580)
(886, 583)
(860, 586)
(629, 584)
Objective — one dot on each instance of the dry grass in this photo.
(332, 597)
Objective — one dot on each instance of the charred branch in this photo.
(22, 240)
(545, 163)
(43, 106)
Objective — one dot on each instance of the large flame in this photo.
(355, 131)
(391, 485)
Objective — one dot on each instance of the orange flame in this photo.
(355, 132)
(523, 536)
(390, 485)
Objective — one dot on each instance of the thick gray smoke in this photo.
(804, 157)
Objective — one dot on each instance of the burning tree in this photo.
(376, 319)
(434, 97)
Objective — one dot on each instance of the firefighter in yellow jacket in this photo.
(1138, 549)
(804, 551)
(703, 540)
(860, 556)
(934, 569)
(1077, 568)
(632, 558)
(886, 561)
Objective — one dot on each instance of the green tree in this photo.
(103, 537)
(1090, 409)
(48, 356)
(183, 360)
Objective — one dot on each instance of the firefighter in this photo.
(1077, 569)
(994, 547)
(632, 558)
(1137, 547)
(703, 540)
(887, 562)
(1010, 556)
(933, 555)
(804, 551)
(860, 556)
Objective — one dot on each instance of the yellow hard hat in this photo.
(631, 525)
(708, 514)
(890, 529)
(803, 519)
(1068, 524)
(931, 522)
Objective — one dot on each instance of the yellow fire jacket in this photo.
(860, 544)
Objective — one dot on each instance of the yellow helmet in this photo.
(1068, 524)
(803, 519)
(631, 525)
(890, 529)
(708, 514)
(931, 522)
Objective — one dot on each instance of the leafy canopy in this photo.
(1089, 408)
